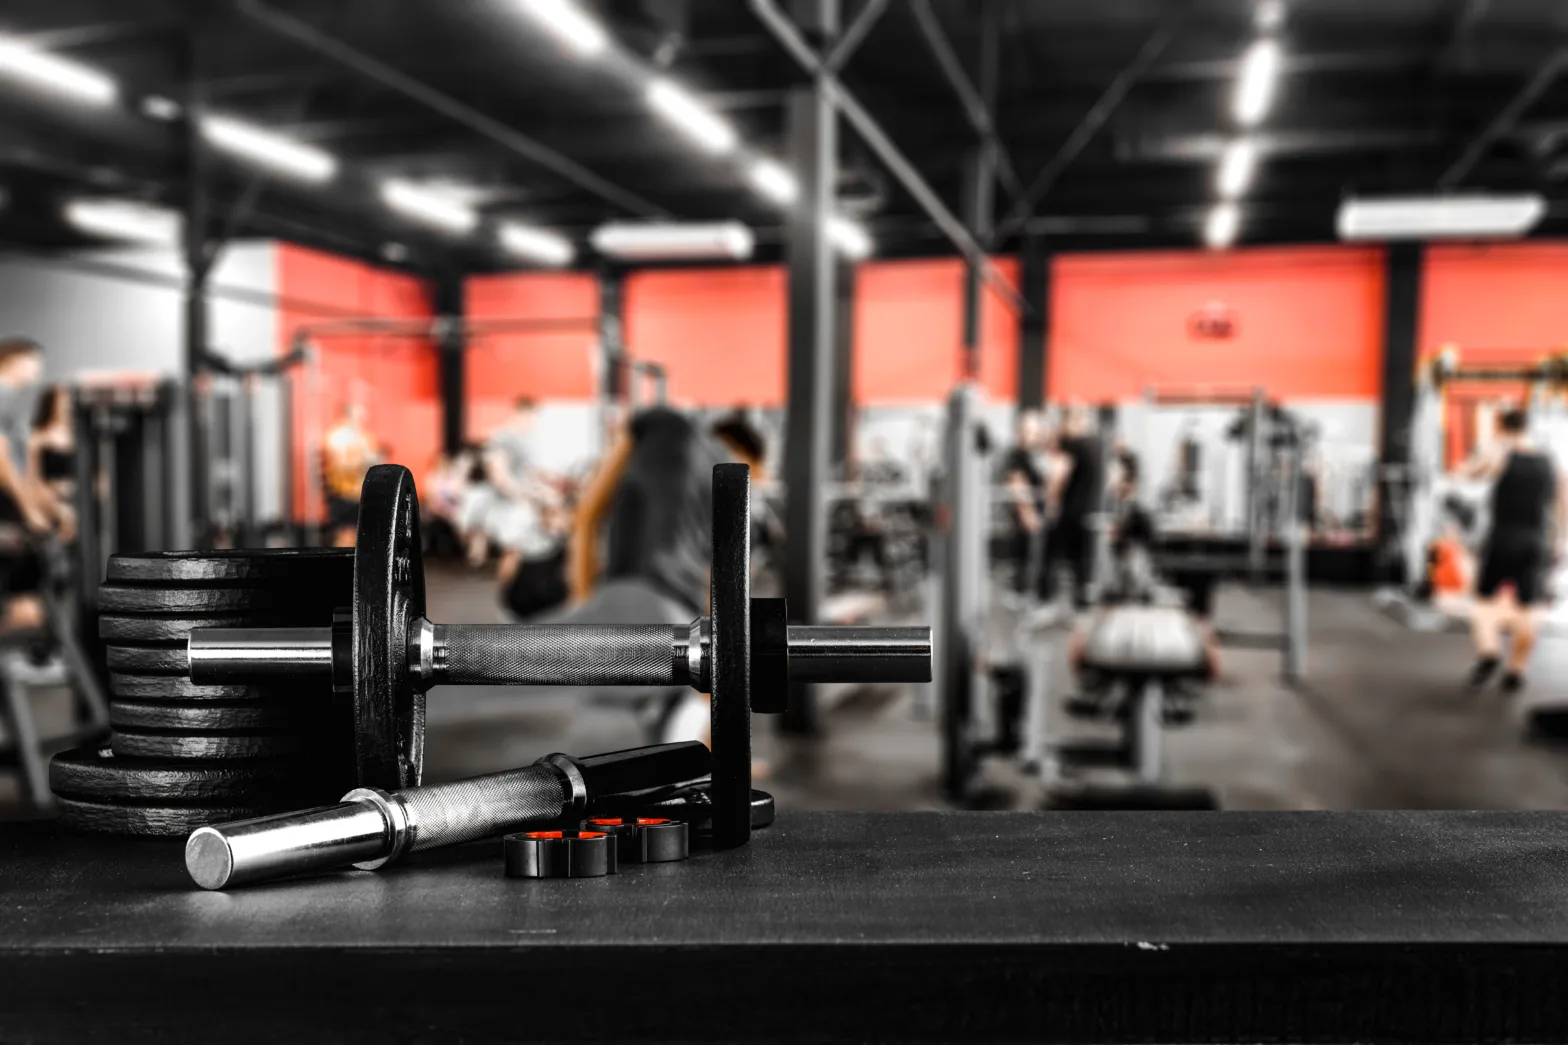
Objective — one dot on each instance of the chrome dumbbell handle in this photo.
(563, 654)
(371, 828)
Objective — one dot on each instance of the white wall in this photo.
(90, 319)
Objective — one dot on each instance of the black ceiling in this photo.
(1379, 96)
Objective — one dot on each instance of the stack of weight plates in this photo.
(183, 755)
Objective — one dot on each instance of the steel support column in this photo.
(1401, 314)
(1034, 325)
(813, 142)
(452, 346)
(200, 254)
(980, 186)
(843, 365)
(612, 343)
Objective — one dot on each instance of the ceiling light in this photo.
(567, 23)
(1269, 15)
(1259, 79)
(269, 149)
(394, 252)
(124, 219)
(160, 108)
(1237, 166)
(1222, 226)
(690, 116)
(1440, 217)
(525, 241)
(429, 206)
(728, 240)
(850, 237)
(775, 182)
(23, 62)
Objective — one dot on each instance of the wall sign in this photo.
(1215, 321)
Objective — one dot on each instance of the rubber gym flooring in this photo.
(1384, 721)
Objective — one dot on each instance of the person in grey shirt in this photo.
(22, 499)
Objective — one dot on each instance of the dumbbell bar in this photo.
(569, 655)
(387, 654)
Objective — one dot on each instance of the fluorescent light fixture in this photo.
(429, 206)
(1237, 166)
(27, 64)
(525, 241)
(567, 23)
(850, 237)
(1440, 217)
(1224, 222)
(158, 107)
(1269, 15)
(269, 149)
(124, 219)
(729, 240)
(691, 117)
(1259, 81)
(775, 182)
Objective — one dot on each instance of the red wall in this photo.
(909, 332)
(396, 378)
(1308, 323)
(556, 364)
(720, 333)
(1499, 305)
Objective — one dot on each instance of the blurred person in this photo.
(348, 451)
(1072, 496)
(651, 502)
(526, 496)
(442, 496)
(25, 500)
(1023, 475)
(1528, 497)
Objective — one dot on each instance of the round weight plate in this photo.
(97, 774)
(287, 567)
(731, 676)
(169, 687)
(147, 660)
(204, 718)
(389, 599)
(156, 821)
(182, 747)
(692, 804)
(120, 598)
(168, 631)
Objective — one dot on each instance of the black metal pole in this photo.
(1401, 315)
(200, 254)
(980, 189)
(453, 349)
(612, 344)
(843, 365)
(1034, 324)
(813, 137)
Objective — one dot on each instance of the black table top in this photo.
(897, 909)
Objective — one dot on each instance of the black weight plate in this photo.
(205, 718)
(169, 602)
(157, 821)
(147, 660)
(97, 774)
(183, 747)
(692, 804)
(389, 598)
(730, 689)
(170, 687)
(163, 631)
(313, 567)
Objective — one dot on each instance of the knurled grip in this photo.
(482, 807)
(560, 655)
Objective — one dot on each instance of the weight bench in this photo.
(1140, 652)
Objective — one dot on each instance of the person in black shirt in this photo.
(1025, 482)
(1073, 494)
(1527, 498)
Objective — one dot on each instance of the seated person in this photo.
(652, 503)
(1133, 578)
(348, 452)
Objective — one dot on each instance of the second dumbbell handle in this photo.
(565, 654)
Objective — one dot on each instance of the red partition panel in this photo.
(1499, 305)
(555, 364)
(720, 333)
(396, 378)
(1301, 322)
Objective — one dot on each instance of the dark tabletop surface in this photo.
(1148, 881)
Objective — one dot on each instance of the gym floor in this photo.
(1384, 721)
